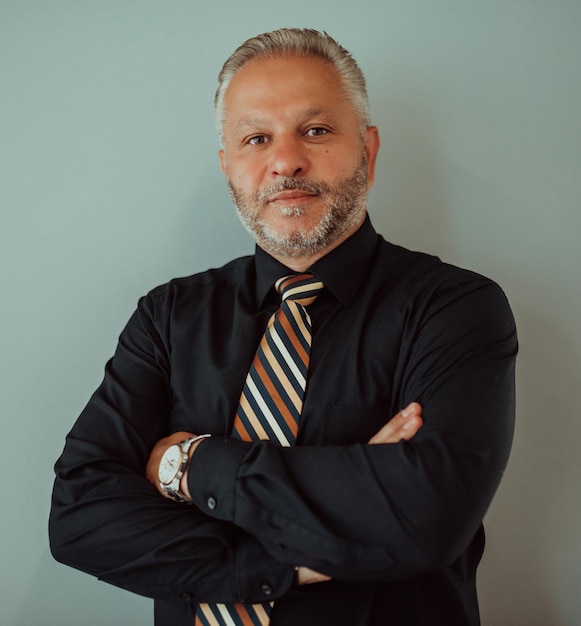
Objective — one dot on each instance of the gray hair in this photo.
(295, 42)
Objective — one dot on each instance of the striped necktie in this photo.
(270, 406)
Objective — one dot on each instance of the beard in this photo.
(345, 206)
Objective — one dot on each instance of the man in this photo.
(357, 518)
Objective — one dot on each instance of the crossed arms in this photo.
(402, 427)
(376, 511)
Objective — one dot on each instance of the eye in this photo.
(257, 140)
(316, 131)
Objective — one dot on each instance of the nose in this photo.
(289, 157)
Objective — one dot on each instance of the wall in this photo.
(109, 185)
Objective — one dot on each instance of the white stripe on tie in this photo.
(288, 359)
(272, 421)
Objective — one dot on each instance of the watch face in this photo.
(170, 464)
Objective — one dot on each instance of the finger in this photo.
(413, 408)
(404, 425)
(411, 427)
(306, 576)
(398, 430)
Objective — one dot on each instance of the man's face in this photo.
(297, 161)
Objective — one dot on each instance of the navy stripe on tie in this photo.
(263, 422)
(287, 343)
(277, 383)
(270, 401)
(285, 366)
(293, 323)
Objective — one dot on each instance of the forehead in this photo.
(283, 83)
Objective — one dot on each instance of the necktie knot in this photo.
(300, 288)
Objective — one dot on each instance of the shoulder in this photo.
(231, 275)
(199, 292)
(425, 272)
(428, 286)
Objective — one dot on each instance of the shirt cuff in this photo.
(259, 577)
(212, 475)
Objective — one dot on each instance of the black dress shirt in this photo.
(397, 526)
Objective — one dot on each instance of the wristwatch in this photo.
(171, 468)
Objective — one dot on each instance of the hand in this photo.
(152, 468)
(306, 576)
(404, 425)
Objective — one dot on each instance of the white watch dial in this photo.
(170, 464)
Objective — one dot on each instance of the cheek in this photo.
(246, 175)
(244, 186)
(332, 164)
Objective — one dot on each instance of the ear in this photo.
(223, 162)
(371, 149)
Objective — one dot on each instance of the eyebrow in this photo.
(254, 122)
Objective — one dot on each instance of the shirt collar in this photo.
(342, 270)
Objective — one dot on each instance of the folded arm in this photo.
(108, 520)
(402, 427)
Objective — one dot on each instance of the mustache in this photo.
(291, 184)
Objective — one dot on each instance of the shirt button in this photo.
(267, 590)
(187, 597)
(212, 504)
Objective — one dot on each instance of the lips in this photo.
(290, 191)
(294, 194)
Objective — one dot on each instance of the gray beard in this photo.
(346, 205)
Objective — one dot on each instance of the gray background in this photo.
(109, 185)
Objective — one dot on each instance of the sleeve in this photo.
(107, 520)
(386, 512)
